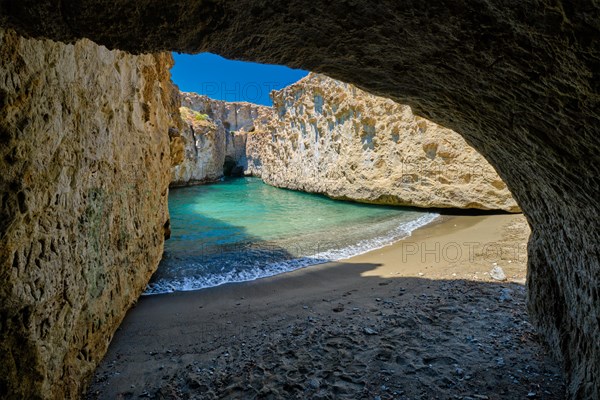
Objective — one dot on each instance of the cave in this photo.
(228, 166)
(231, 168)
(518, 80)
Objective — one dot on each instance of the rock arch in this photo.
(518, 79)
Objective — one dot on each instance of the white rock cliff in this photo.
(215, 138)
(329, 137)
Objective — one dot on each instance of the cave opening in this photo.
(491, 92)
(497, 267)
(231, 168)
(224, 109)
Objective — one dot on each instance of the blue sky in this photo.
(224, 79)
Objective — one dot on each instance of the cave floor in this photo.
(361, 328)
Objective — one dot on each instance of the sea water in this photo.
(242, 229)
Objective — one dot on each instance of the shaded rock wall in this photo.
(84, 155)
(329, 137)
(215, 132)
(518, 79)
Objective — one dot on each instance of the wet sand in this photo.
(420, 319)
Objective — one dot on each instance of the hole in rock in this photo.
(228, 112)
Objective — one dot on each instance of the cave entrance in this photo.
(236, 229)
(231, 168)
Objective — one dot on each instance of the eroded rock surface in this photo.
(84, 155)
(329, 137)
(517, 79)
(215, 138)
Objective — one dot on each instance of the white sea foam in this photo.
(404, 230)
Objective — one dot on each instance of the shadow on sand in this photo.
(330, 332)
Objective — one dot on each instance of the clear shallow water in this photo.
(243, 229)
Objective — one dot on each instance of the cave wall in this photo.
(84, 161)
(518, 79)
(329, 137)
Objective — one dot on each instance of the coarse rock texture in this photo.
(203, 151)
(332, 138)
(84, 155)
(215, 138)
(518, 79)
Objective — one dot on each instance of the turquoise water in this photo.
(242, 229)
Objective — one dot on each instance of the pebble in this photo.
(314, 383)
(448, 309)
(497, 273)
(370, 331)
(531, 395)
(505, 295)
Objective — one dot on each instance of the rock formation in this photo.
(84, 155)
(215, 138)
(329, 137)
(518, 79)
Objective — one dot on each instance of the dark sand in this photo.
(421, 319)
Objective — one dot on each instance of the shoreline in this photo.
(332, 330)
(311, 262)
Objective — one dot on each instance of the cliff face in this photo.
(203, 154)
(84, 155)
(215, 138)
(333, 138)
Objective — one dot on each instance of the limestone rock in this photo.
(333, 138)
(215, 138)
(497, 273)
(84, 155)
(177, 147)
(203, 151)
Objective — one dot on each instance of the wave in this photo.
(263, 270)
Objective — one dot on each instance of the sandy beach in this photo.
(420, 319)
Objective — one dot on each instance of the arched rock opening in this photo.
(231, 168)
(518, 79)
